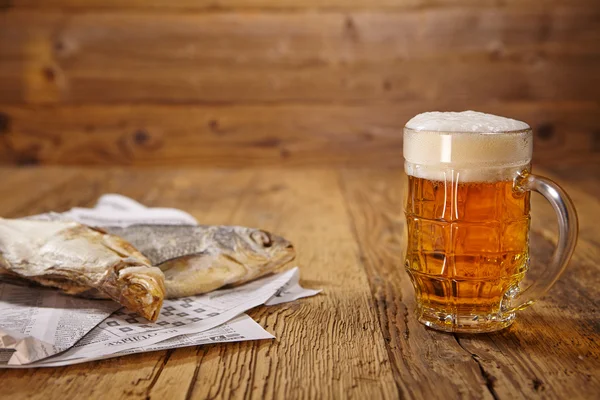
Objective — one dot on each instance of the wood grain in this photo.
(583, 270)
(426, 363)
(557, 367)
(255, 135)
(263, 5)
(113, 378)
(105, 57)
(585, 177)
(533, 358)
(359, 339)
(259, 82)
(327, 346)
(293, 203)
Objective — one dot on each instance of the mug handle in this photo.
(567, 235)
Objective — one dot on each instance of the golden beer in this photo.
(467, 223)
(467, 220)
(467, 246)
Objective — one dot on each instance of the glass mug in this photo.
(467, 220)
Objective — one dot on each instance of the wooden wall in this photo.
(287, 82)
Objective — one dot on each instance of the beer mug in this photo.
(467, 220)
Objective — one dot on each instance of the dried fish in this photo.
(198, 258)
(78, 259)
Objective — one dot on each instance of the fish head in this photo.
(231, 255)
(259, 248)
(277, 247)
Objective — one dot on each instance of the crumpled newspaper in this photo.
(40, 327)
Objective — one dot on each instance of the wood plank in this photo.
(330, 338)
(133, 376)
(24, 180)
(327, 37)
(254, 135)
(426, 363)
(63, 188)
(26, 50)
(532, 359)
(263, 5)
(569, 310)
(102, 57)
(34, 190)
(585, 177)
(588, 250)
(333, 337)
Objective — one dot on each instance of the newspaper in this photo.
(118, 210)
(88, 330)
(37, 323)
(241, 328)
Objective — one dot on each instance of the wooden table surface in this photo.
(359, 338)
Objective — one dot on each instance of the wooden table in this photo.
(359, 339)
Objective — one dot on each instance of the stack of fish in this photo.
(139, 265)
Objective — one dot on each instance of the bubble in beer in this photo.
(474, 145)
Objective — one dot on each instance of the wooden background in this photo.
(287, 82)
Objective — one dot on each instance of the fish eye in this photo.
(262, 238)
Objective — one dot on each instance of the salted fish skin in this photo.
(200, 258)
(160, 243)
(76, 258)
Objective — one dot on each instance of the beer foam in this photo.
(466, 121)
(478, 146)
